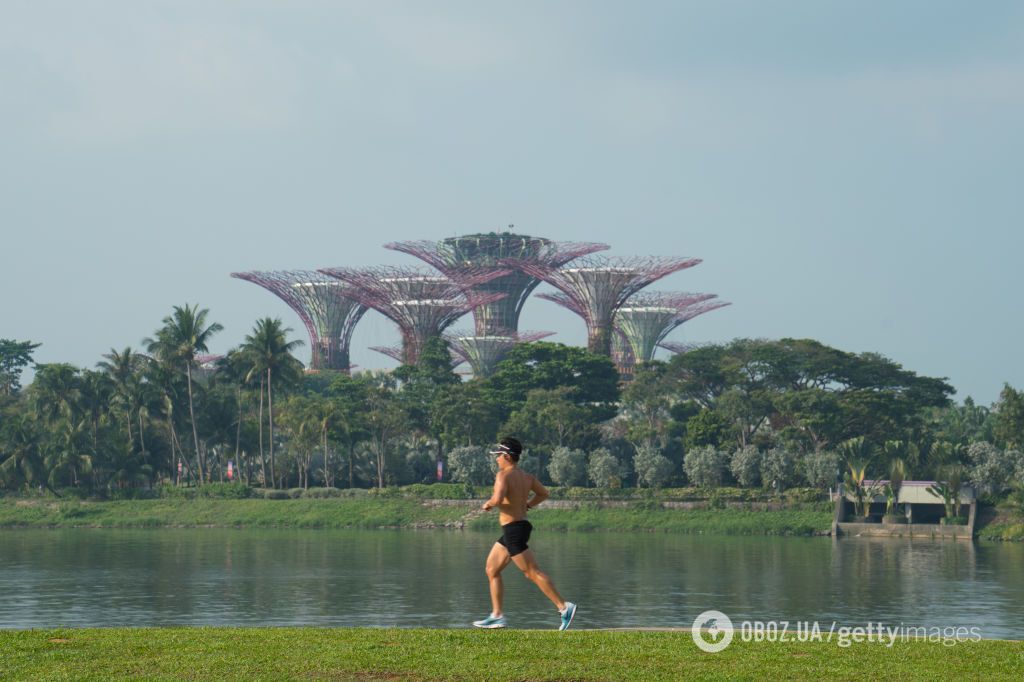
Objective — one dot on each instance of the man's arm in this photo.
(500, 488)
(540, 493)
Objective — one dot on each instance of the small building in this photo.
(922, 513)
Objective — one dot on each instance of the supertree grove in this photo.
(325, 306)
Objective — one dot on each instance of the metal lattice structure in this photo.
(458, 257)
(483, 353)
(595, 288)
(326, 307)
(395, 352)
(648, 317)
(622, 355)
(422, 303)
(678, 347)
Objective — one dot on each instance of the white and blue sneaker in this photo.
(491, 622)
(568, 613)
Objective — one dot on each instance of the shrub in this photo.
(322, 493)
(821, 469)
(652, 468)
(568, 467)
(229, 491)
(992, 470)
(440, 491)
(604, 470)
(471, 464)
(778, 469)
(705, 466)
(745, 466)
(276, 495)
(527, 463)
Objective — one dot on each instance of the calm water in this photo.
(435, 578)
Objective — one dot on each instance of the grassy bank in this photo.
(1003, 526)
(371, 654)
(398, 512)
(255, 513)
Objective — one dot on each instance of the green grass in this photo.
(254, 513)
(1009, 530)
(382, 654)
(377, 511)
(711, 521)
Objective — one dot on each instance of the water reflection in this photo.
(435, 579)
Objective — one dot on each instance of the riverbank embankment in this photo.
(455, 507)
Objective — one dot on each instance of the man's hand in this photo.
(487, 506)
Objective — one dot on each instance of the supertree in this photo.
(483, 353)
(622, 355)
(458, 257)
(678, 347)
(423, 304)
(647, 318)
(395, 353)
(594, 288)
(325, 306)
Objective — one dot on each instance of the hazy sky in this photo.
(849, 172)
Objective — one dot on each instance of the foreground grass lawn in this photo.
(380, 654)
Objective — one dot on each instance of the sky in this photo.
(848, 172)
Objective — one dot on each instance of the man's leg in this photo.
(527, 563)
(497, 560)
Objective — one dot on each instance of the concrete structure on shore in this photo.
(922, 518)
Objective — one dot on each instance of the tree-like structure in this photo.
(483, 353)
(677, 347)
(648, 317)
(459, 257)
(326, 307)
(595, 288)
(395, 353)
(622, 355)
(422, 303)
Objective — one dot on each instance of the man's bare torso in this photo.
(518, 485)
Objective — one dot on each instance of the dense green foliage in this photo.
(760, 413)
(380, 654)
(15, 356)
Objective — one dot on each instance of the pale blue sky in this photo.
(849, 172)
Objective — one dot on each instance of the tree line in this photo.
(752, 412)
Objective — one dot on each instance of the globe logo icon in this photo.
(712, 631)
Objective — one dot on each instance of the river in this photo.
(434, 578)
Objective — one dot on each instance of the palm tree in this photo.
(123, 370)
(268, 353)
(184, 335)
(22, 460)
(55, 391)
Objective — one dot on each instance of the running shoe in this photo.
(567, 615)
(491, 622)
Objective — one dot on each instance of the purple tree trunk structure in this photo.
(462, 257)
(395, 352)
(325, 306)
(595, 288)
(483, 353)
(422, 303)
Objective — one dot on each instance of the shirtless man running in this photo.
(512, 487)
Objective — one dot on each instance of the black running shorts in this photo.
(514, 536)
